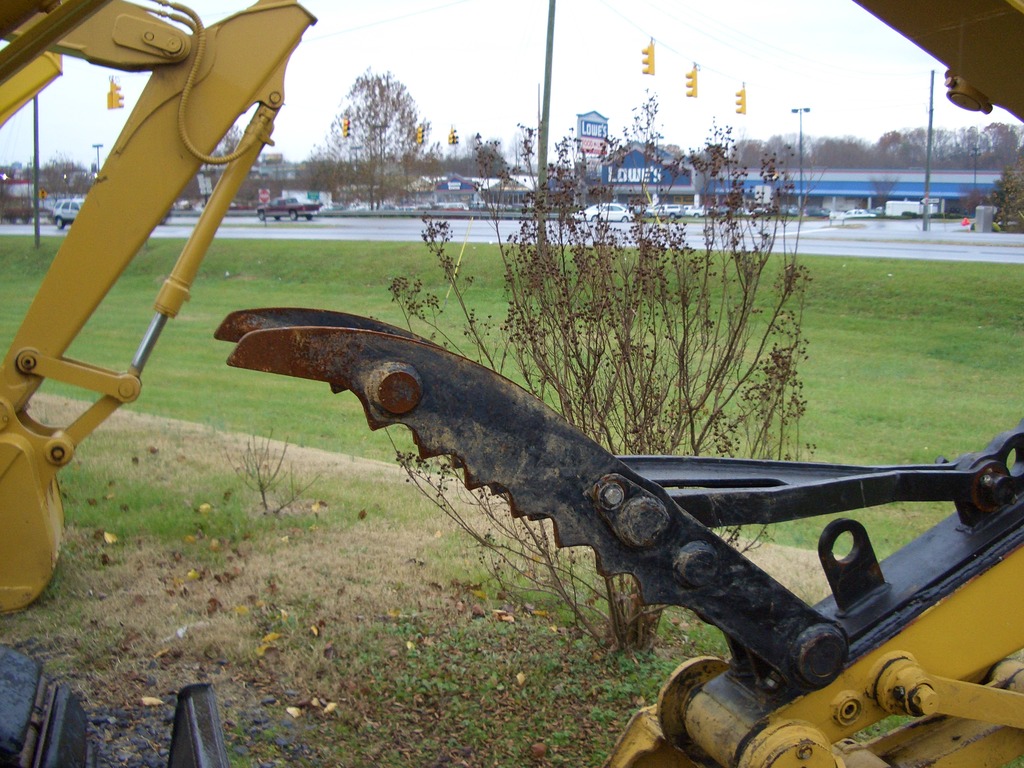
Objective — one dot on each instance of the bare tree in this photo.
(884, 185)
(63, 177)
(380, 119)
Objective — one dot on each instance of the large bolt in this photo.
(59, 451)
(398, 388)
(610, 494)
(995, 489)
(819, 654)
(641, 521)
(922, 700)
(696, 564)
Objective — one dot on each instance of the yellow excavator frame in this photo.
(202, 80)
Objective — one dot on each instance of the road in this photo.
(946, 241)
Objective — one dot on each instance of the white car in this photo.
(854, 213)
(606, 211)
(65, 211)
(667, 211)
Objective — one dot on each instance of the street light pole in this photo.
(800, 197)
(97, 147)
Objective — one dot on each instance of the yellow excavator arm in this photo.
(27, 82)
(202, 80)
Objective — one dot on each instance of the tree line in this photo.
(992, 148)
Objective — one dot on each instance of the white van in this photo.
(65, 211)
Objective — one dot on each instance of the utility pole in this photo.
(545, 130)
(35, 167)
(928, 157)
(801, 197)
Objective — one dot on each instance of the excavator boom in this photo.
(202, 80)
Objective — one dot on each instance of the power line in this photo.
(380, 22)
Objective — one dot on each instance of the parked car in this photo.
(606, 211)
(853, 213)
(694, 210)
(815, 211)
(291, 207)
(666, 211)
(65, 211)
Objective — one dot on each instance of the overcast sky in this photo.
(478, 65)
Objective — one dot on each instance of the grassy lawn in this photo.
(360, 594)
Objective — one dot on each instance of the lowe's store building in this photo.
(633, 176)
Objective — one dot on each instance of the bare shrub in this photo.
(644, 342)
(261, 467)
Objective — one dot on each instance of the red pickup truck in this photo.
(291, 207)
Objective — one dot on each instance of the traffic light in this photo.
(114, 98)
(691, 83)
(419, 134)
(648, 53)
(346, 126)
(741, 101)
(453, 137)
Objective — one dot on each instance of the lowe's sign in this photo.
(635, 170)
(589, 129)
(592, 131)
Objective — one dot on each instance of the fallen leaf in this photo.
(192, 575)
(315, 630)
(504, 616)
(410, 644)
(521, 679)
(109, 537)
(293, 711)
(241, 610)
(152, 701)
(189, 539)
(271, 637)
(480, 593)
(205, 509)
(331, 706)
